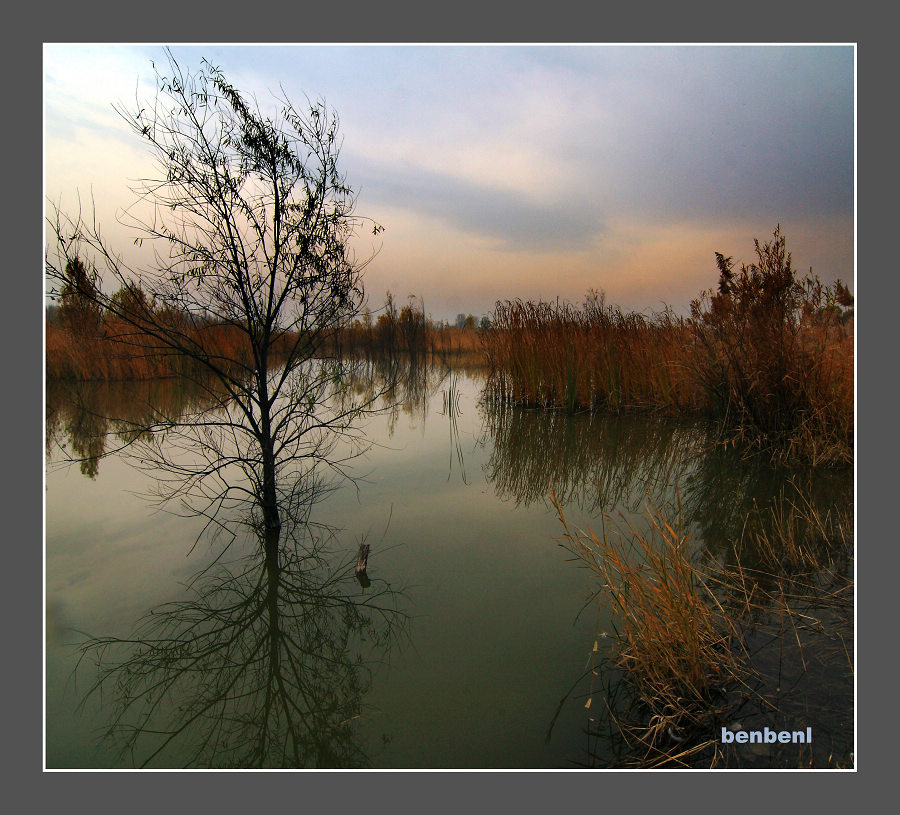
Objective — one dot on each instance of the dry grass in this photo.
(596, 357)
(679, 649)
(695, 640)
(118, 351)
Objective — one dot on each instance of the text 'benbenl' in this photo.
(766, 736)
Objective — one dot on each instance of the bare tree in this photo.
(251, 223)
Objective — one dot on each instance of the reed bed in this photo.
(101, 356)
(459, 346)
(115, 350)
(769, 355)
(598, 357)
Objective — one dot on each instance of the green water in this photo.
(478, 658)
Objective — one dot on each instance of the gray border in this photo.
(569, 22)
(876, 217)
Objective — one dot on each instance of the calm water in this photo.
(467, 650)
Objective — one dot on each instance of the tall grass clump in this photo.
(556, 355)
(774, 357)
(675, 644)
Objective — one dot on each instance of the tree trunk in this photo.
(271, 515)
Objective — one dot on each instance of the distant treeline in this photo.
(85, 343)
(136, 339)
(407, 331)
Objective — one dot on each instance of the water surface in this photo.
(479, 659)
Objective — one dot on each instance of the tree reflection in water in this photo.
(267, 662)
(265, 665)
(86, 421)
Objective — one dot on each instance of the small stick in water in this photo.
(361, 563)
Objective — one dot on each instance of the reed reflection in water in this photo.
(590, 460)
(615, 463)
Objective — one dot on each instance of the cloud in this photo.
(725, 132)
(551, 144)
(510, 220)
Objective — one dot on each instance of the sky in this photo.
(520, 171)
